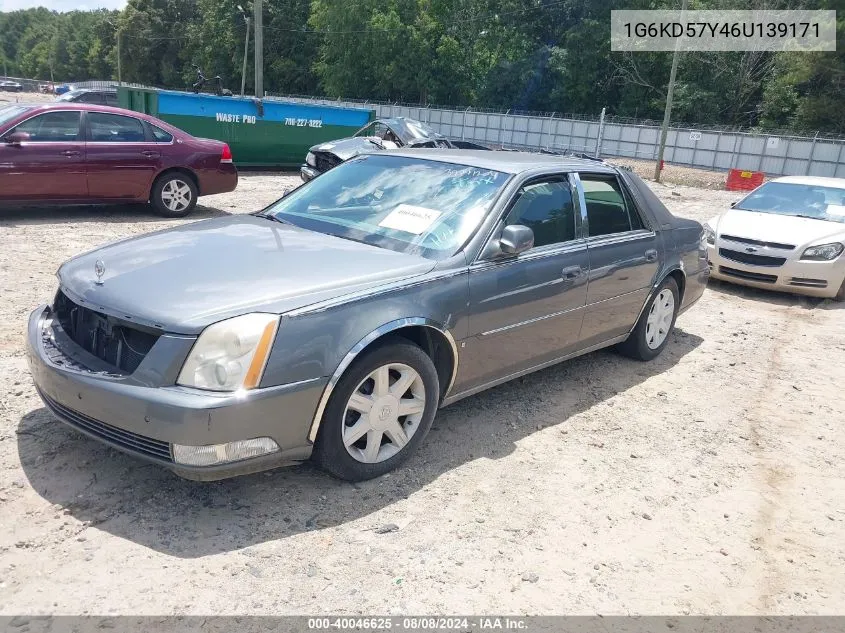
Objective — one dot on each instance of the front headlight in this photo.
(709, 234)
(823, 252)
(230, 355)
(311, 159)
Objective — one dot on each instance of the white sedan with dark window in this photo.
(788, 234)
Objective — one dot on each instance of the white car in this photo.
(788, 234)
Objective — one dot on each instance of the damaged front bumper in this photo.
(147, 421)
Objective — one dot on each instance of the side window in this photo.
(546, 208)
(113, 128)
(608, 209)
(90, 97)
(111, 99)
(160, 135)
(52, 127)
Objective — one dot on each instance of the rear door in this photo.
(50, 165)
(121, 158)
(624, 258)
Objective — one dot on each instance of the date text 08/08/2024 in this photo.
(417, 624)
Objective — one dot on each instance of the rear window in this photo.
(608, 210)
(160, 135)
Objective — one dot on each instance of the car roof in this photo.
(94, 107)
(819, 181)
(504, 161)
(411, 127)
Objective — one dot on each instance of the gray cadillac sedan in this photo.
(334, 323)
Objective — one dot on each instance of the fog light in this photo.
(214, 454)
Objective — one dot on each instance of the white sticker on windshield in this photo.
(411, 219)
(836, 209)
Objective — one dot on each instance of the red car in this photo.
(69, 153)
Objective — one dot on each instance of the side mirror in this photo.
(16, 138)
(516, 239)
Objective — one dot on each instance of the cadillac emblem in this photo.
(99, 270)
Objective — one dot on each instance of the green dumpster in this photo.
(268, 133)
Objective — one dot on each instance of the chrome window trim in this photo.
(627, 197)
(505, 208)
(575, 177)
(141, 122)
(361, 345)
(50, 111)
(620, 238)
(549, 250)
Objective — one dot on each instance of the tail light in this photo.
(226, 156)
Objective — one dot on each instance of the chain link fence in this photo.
(706, 147)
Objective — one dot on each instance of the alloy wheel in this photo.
(383, 413)
(176, 195)
(659, 320)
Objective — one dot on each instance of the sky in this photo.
(61, 5)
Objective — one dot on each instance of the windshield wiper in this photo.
(376, 143)
(267, 216)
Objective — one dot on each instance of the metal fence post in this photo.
(734, 152)
(812, 151)
(600, 134)
(763, 154)
(716, 150)
(548, 132)
(464, 124)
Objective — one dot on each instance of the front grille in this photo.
(325, 161)
(111, 340)
(807, 282)
(126, 440)
(751, 259)
(745, 240)
(742, 274)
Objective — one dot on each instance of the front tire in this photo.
(840, 296)
(174, 195)
(379, 412)
(652, 331)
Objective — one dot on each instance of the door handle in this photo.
(151, 154)
(651, 255)
(70, 153)
(571, 272)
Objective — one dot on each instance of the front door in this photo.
(122, 161)
(50, 165)
(624, 259)
(527, 310)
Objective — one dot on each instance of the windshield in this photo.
(812, 201)
(10, 112)
(414, 206)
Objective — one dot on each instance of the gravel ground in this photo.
(708, 481)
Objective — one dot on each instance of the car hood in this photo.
(784, 229)
(183, 279)
(346, 148)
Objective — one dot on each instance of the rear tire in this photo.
(651, 334)
(174, 195)
(356, 445)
